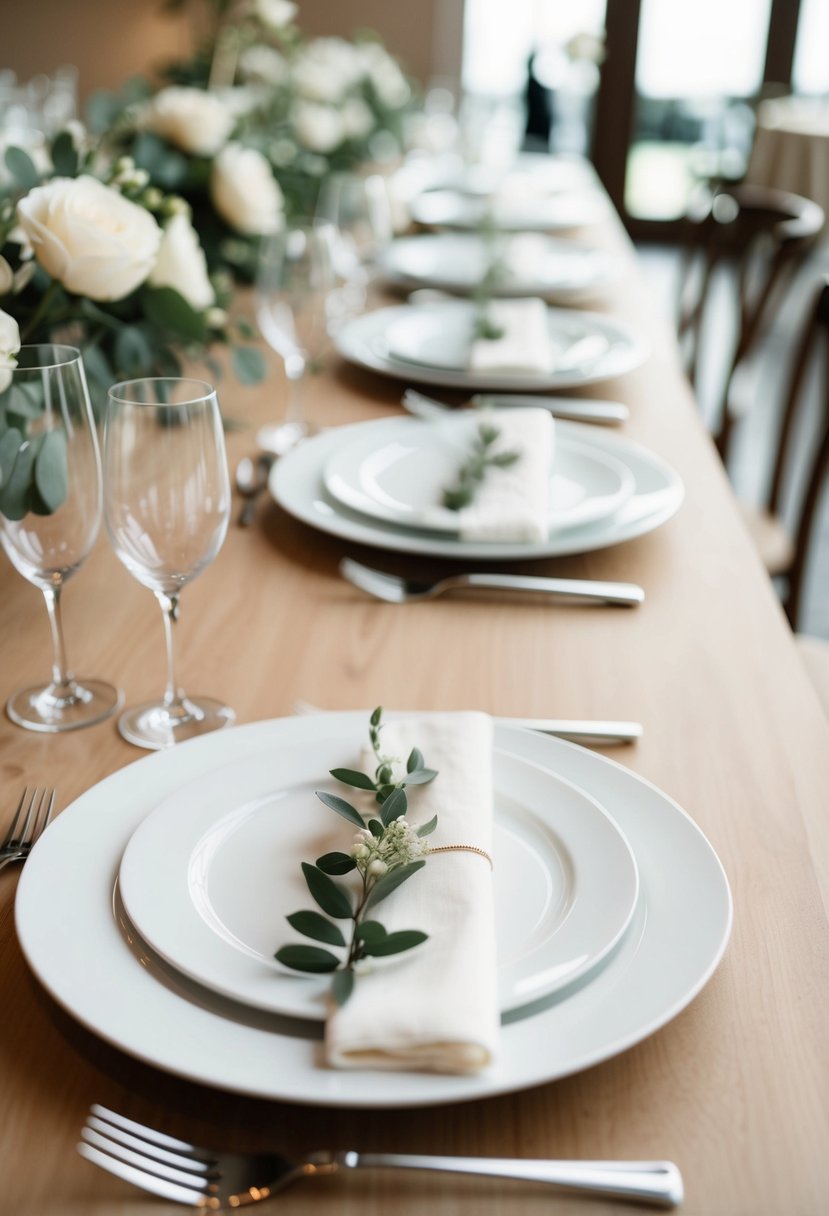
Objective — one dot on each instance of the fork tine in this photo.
(154, 1151)
(149, 1134)
(37, 807)
(140, 1160)
(140, 1178)
(9, 838)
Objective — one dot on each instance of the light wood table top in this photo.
(735, 1088)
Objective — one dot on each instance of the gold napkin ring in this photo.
(464, 848)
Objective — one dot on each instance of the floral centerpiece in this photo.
(93, 255)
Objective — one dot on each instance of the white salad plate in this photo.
(514, 209)
(429, 344)
(525, 264)
(297, 484)
(401, 478)
(77, 943)
(210, 876)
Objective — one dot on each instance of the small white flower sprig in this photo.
(385, 852)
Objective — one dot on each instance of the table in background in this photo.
(734, 1089)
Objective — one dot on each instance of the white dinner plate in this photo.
(296, 482)
(526, 264)
(210, 876)
(516, 209)
(399, 473)
(74, 940)
(365, 341)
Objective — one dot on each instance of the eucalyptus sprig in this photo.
(386, 851)
(472, 473)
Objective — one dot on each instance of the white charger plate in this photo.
(75, 942)
(517, 210)
(364, 341)
(398, 473)
(210, 876)
(297, 484)
(529, 264)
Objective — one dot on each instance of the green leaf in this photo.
(102, 109)
(415, 760)
(394, 806)
(421, 776)
(133, 351)
(336, 863)
(376, 828)
(370, 931)
(395, 943)
(390, 882)
(248, 364)
(342, 985)
(307, 958)
(426, 829)
(15, 487)
(64, 155)
(51, 470)
(335, 803)
(333, 899)
(311, 924)
(10, 443)
(350, 776)
(169, 310)
(22, 168)
(376, 716)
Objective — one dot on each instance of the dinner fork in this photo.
(30, 819)
(397, 590)
(208, 1180)
(607, 413)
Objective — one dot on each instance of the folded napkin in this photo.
(524, 344)
(435, 1009)
(513, 503)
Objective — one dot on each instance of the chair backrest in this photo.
(761, 237)
(813, 468)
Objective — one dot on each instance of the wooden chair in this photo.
(761, 236)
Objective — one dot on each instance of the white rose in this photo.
(262, 63)
(385, 75)
(9, 346)
(244, 191)
(326, 68)
(194, 120)
(6, 277)
(89, 237)
(181, 263)
(275, 13)
(317, 127)
(358, 119)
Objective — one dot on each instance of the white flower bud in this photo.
(377, 868)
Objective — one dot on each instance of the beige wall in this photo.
(109, 40)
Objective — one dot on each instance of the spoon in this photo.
(251, 479)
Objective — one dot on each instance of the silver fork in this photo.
(571, 409)
(184, 1173)
(397, 590)
(31, 817)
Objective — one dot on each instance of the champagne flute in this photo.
(293, 282)
(359, 210)
(166, 506)
(50, 514)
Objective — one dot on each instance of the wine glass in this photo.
(359, 210)
(166, 506)
(293, 282)
(50, 513)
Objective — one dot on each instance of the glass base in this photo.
(44, 708)
(280, 437)
(153, 726)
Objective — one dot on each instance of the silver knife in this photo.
(573, 409)
(593, 731)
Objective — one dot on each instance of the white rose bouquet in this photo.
(112, 265)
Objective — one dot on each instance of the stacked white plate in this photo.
(371, 482)
(430, 344)
(152, 908)
(527, 264)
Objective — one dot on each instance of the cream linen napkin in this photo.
(513, 503)
(524, 345)
(435, 1010)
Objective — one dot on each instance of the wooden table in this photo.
(735, 1088)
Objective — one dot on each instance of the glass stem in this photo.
(63, 681)
(295, 371)
(173, 695)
